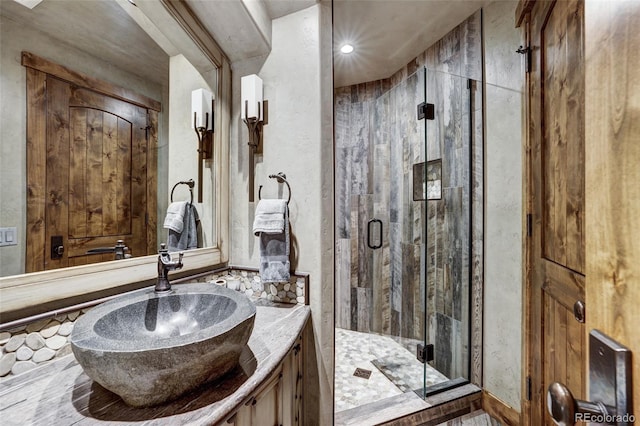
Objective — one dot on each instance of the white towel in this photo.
(269, 217)
(174, 219)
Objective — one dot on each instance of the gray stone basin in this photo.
(151, 348)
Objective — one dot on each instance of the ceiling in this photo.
(73, 22)
(386, 34)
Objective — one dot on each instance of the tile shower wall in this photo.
(378, 139)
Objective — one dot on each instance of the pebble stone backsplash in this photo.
(28, 346)
(249, 283)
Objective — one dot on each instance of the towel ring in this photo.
(190, 183)
(281, 178)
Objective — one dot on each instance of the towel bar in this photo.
(190, 183)
(281, 178)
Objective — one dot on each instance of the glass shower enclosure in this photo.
(403, 236)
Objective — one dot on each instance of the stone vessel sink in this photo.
(151, 348)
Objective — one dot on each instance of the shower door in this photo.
(380, 293)
(402, 259)
(453, 123)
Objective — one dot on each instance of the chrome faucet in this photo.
(165, 264)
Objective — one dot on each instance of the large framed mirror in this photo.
(151, 49)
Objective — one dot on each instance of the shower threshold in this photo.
(409, 408)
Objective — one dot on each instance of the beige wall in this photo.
(14, 39)
(504, 75)
(298, 142)
(183, 145)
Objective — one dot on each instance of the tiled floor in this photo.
(378, 354)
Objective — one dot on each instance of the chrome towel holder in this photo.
(190, 183)
(281, 178)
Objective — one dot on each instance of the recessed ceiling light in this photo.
(346, 48)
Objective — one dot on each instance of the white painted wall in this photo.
(14, 39)
(297, 141)
(503, 204)
(183, 145)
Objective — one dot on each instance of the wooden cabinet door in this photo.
(96, 172)
(556, 246)
(292, 385)
(279, 401)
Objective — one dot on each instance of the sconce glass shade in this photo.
(201, 105)
(251, 96)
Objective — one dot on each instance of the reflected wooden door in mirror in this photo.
(91, 170)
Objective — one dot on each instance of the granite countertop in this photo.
(59, 393)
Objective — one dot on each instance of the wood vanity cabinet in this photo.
(278, 401)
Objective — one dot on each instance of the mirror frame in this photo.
(40, 292)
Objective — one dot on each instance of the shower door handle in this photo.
(369, 227)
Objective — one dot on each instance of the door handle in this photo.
(610, 387)
(369, 227)
(57, 247)
(563, 407)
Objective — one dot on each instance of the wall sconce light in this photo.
(255, 114)
(202, 108)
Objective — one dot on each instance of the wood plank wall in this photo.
(378, 139)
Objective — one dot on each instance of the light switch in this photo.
(8, 236)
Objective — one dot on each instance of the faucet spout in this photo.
(166, 264)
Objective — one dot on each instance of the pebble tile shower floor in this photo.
(375, 353)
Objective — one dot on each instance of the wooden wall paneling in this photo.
(94, 172)
(343, 287)
(417, 284)
(499, 410)
(380, 133)
(77, 178)
(32, 61)
(152, 184)
(57, 168)
(440, 240)
(36, 176)
(407, 282)
(124, 200)
(110, 136)
(355, 279)
(363, 312)
(612, 52)
(139, 182)
(430, 264)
